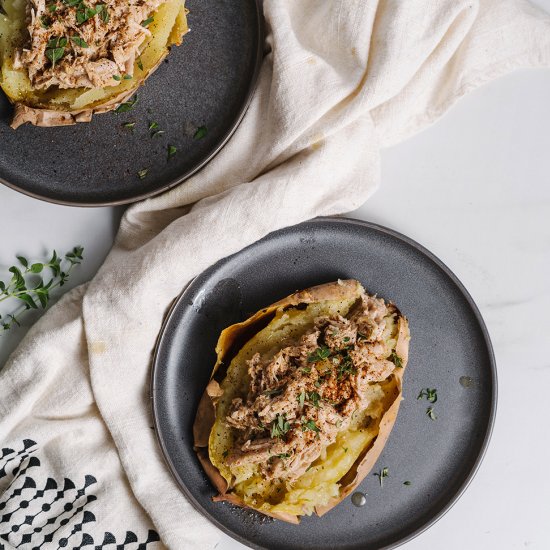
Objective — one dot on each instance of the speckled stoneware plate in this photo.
(206, 82)
(450, 350)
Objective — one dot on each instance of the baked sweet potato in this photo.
(62, 104)
(302, 399)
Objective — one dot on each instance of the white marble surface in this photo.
(475, 190)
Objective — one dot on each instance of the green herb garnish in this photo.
(80, 42)
(279, 426)
(117, 77)
(407, 483)
(127, 106)
(429, 393)
(320, 354)
(147, 21)
(55, 49)
(201, 132)
(384, 472)
(283, 455)
(314, 398)
(430, 413)
(130, 125)
(346, 366)
(302, 399)
(142, 174)
(171, 151)
(396, 360)
(85, 13)
(309, 425)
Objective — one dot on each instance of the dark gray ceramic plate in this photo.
(449, 342)
(207, 81)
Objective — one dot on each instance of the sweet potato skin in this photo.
(206, 412)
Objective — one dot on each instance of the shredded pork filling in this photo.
(302, 397)
(84, 43)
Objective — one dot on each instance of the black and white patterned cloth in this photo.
(39, 512)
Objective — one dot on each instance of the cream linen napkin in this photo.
(80, 464)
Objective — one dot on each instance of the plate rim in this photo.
(259, 57)
(439, 263)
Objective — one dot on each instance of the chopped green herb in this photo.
(279, 426)
(130, 125)
(45, 21)
(346, 366)
(346, 339)
(430, 413)
(85, 13)
(283, 455)
(201, 132)
(314, 397)
(395, 359)
(80, 42)
(407, 483)
(302, 399)
(127, 77)
(105, 16)
(429, 393)
(320, 354)
(225, 453)
(147, 21)
(384, 472)
(142, 174)
(309, 425)
(117, 77)
(140, 64)
(52, 8)
(305, 370)
(171, 151)
(153, 125)
(127, 106)
(55, 49)
(345, 449)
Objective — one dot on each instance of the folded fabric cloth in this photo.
(342, 78)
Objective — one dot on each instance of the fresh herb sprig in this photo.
(29, 288)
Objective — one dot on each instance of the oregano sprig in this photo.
(30, 287)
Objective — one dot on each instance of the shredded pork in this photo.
(300, 398)
(84, 43)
